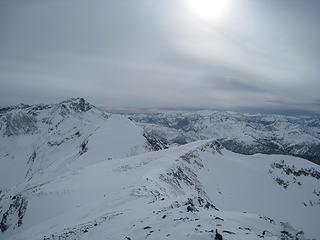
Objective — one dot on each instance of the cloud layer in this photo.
(158, 54)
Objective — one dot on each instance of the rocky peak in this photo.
(77, 104)
(19, 106)
(24, 119)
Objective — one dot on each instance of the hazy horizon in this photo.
(124, 110)
(246, 55)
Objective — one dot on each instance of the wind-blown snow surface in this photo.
(113, 187)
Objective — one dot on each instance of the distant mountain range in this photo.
(238, 132)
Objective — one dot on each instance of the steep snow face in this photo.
(50, 139)
(241, 133)
(183, 192)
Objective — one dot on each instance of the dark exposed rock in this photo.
(282, 183)
(79, 105)
(228, 232)
(78, 230)
(30, 163)
(32, 157)
(245, 229)
(218, 236)
(291, 170)
(20, 123)
(10, 108)
(15, 213)
(58, 143)
(268, 219)
(219, 218)
(83, 147)
(212, 146)
(189, 156)
(191, 208)
(155, 143)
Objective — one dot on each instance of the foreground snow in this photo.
(148, 195)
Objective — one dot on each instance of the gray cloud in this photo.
(156, 54)
(234, 84)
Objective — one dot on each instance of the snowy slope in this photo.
(239, 132)
(44, 139)
(70, 171)
(178, 193)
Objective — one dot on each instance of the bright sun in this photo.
(214, 10)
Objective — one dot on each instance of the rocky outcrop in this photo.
(13, 216)
(19, 123)
(155, 143)
(24, 119)
(77, 104)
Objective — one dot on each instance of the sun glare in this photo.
(209, 10)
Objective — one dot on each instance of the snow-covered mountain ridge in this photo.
(82, 173)
(238, 132)
(41, 137)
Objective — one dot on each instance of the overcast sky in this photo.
(260, 55)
